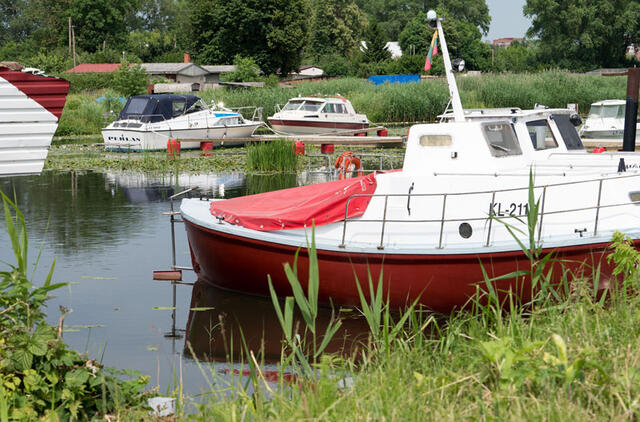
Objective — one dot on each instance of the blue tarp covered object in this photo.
(394, 79)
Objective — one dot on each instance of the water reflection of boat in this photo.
(147, 122)
(318, 114)
(156, 187)
(606, 123)
(30, 106)
(220, 321)
(428, 227)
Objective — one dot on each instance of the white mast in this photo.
(458, 112)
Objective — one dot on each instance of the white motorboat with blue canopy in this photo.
(147, 122)
(428, 227)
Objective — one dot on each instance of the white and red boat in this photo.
(428, 228)
(317, 115)
(30, 106)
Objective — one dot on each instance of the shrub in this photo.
(130, 80)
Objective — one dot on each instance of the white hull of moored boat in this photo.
(145, 140)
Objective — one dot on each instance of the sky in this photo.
(507, 19)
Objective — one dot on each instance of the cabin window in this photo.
(568, 132)
(292, 105)
(177, 107)
(435, 140)
(541, 135)
(340, 108)
(311, 106)
(501, 139)
(229, 121)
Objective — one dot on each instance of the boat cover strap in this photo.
(298, 207)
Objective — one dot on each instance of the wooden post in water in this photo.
(631, 111)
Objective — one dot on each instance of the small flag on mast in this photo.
(433, 50)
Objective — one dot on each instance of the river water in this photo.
(107, 234)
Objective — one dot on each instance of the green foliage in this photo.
(627, 259)
(517, 57)
(272, 32)
(337, 27)
(39, 375)
(246, 70)
(375, 51)
(130, 80)
(393, 15)
(276, 156)
(584, 34)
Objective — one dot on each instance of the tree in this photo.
(464, 40)
(375, 50)
(246, 71)
(393, 15)
(584, 34)
(99, 21)
(129, 79)
(272, 32)
(336, 27)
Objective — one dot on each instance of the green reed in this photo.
(278, 155)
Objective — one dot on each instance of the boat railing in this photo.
(491, 215)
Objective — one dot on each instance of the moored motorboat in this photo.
(605, 123)
(455, 212)
(30, 107)
(147, 122)
(316, 115)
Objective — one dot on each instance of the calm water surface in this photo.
(107, 235)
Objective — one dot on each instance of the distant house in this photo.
(505, 42)
(177, 73)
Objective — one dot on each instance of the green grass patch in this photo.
(271, 156)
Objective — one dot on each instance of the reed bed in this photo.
(278, 156)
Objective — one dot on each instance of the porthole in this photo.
(465, 230)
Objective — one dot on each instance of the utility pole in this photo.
(69, 35)
(73, 36)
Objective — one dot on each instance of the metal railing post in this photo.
(384, 221)
(541, 214)
(344, 226)
(493, 200)
(444, 207)
(595, 228)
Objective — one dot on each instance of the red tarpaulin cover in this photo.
(295, 208)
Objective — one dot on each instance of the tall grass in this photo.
(278, 155)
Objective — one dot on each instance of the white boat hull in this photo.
(190, 138)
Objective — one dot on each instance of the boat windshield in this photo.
(292, 105)
(607, 111)
(136, 106)
(312, 105)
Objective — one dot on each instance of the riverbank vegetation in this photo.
(418, 102)
(39, 375)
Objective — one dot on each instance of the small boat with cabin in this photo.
(455, 214)
(147, 122)
(605, 123)
(317, 115)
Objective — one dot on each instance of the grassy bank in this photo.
(83, 156)
(396, 102)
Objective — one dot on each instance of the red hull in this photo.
(49, 92)
(442, 282)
